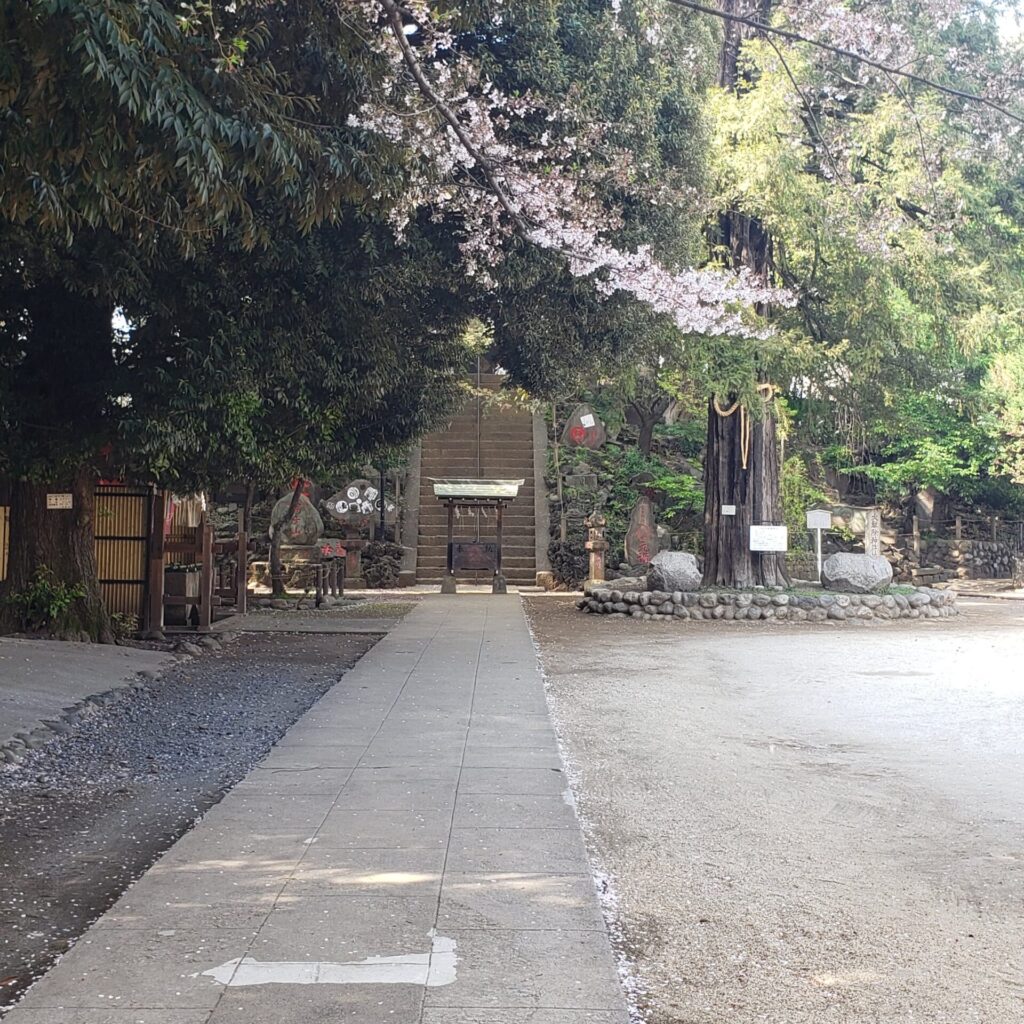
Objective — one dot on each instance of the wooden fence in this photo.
(121, 531)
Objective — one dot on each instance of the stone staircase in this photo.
(480, 443)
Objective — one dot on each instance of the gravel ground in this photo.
(804, 825)
(91, 810)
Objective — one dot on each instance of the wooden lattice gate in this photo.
(123, 517)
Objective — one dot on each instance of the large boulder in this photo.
(673, 570)
(304, 527)
(856, 574)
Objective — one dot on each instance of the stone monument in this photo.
(583, 429)
(642, 536)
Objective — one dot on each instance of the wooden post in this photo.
(153, 617)
(917, 539)
(995, 528)
(318, 585)
(448, 583)
(562, 527)
(959, 527)
(498, 586)
(206, 577)
(241, 576)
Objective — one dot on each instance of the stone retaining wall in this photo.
(970, 559)
(923, 603)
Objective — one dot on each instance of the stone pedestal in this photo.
(597, 546)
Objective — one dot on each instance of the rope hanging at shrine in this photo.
(767, 391)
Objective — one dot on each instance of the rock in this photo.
(209, 642)
(280, 605)
(857, 574)
(707, 600)
(625, 583)
(188, 648)
(305, 525)
(674, 570)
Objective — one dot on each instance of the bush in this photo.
(44, 601)
(124, 626)
(382, 562)
(570, 563)
(797, 494)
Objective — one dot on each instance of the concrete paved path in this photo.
(406, 854)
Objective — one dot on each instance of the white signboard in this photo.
(59, 501)
(819, 519)
(769, 538)
(587, 420)
(728, 510)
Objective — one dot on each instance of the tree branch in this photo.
(840, 51)
(394, 14)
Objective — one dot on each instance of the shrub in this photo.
(569, 562)
(382, 562)
(42, 604)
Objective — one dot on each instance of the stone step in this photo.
(508, 449)
(434, 523)
(433, 534)
(521, 578)
(507, 562)
(523, 461)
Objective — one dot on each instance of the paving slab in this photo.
(408, 853)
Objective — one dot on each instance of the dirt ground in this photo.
(804, 823)
(90, 811)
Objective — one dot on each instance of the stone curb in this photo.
(924, 603)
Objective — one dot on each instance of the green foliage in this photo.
(935, 445)
(899, 224)
(686, 436)
(43, 603)
(382, 562)
(124, 626)
(677, 494)
(797, 494)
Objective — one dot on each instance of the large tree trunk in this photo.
(62, 542)
(741, 467)
(752, 488)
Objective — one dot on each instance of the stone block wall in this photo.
(922, 603)
(970, 559)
